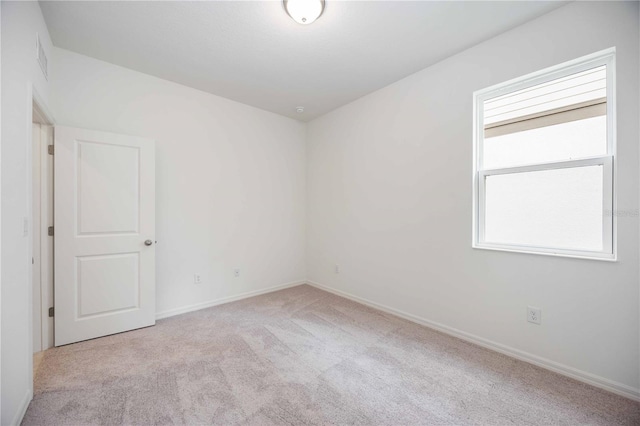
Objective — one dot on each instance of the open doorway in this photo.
(41, 235)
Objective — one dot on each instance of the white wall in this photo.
(20, 23)
(388, 189)
(230, 179)
(389, 200)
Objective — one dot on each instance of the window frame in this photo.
(609, 229)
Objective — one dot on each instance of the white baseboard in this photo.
(574, 373)
(17, 419)
(223, 300)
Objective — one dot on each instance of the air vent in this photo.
(41, 57)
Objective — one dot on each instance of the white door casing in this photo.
(46, 242)
(42, 244)
(104, 212)
(35, 236)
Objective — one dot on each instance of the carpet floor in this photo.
(302, 356)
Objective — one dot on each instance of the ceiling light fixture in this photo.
(304, 11)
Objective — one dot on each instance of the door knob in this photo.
(148, 243)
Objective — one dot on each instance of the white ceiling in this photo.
(252, 52)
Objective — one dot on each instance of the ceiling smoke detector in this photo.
(304, 11)
(300, 109)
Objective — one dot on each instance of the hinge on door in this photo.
(50, 231)
(50, 149)
(51, 311)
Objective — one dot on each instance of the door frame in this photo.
(42, 250)
(35, 103)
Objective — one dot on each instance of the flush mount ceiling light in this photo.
(304, 11)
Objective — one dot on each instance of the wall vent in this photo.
(41, 57)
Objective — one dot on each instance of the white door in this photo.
(104, 228)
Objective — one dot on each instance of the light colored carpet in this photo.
(302, 356)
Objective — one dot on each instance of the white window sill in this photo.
(607, 257)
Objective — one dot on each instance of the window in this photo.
(544, 158)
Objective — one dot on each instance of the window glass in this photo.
(560, 208)
(584, 87)
(560, 142)
(544, 162)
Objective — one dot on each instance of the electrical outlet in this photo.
(534, 315)
(236, 272)
(336, 269)
(197, 279)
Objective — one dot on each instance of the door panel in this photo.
(104, 213)
(107, 284)
(111, 171)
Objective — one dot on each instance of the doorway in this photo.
(103, 254)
